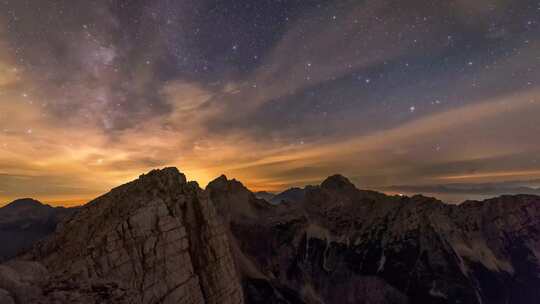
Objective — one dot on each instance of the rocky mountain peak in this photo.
(167, 175)
(232, 199)
(224, 184)
(221, 179)
(157, 238)
(337, 182)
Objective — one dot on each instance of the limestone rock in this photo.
(339, 244)
(154, 240)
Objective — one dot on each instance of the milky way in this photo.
(397, 95)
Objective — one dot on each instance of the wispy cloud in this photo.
(384, 92)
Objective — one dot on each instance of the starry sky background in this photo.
(401, 96)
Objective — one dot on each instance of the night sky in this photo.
(398, 95)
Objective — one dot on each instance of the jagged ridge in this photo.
(358, 246)
(157, 239)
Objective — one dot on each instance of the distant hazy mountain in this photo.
(25, 221)
(290, 195)
(161, 239)
(456, 192)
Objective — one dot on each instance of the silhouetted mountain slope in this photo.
(25, 221)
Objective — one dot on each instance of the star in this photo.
(151, 77)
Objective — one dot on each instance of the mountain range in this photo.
(162, 239)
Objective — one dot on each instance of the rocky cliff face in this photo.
(344, 245)
(154, 240)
